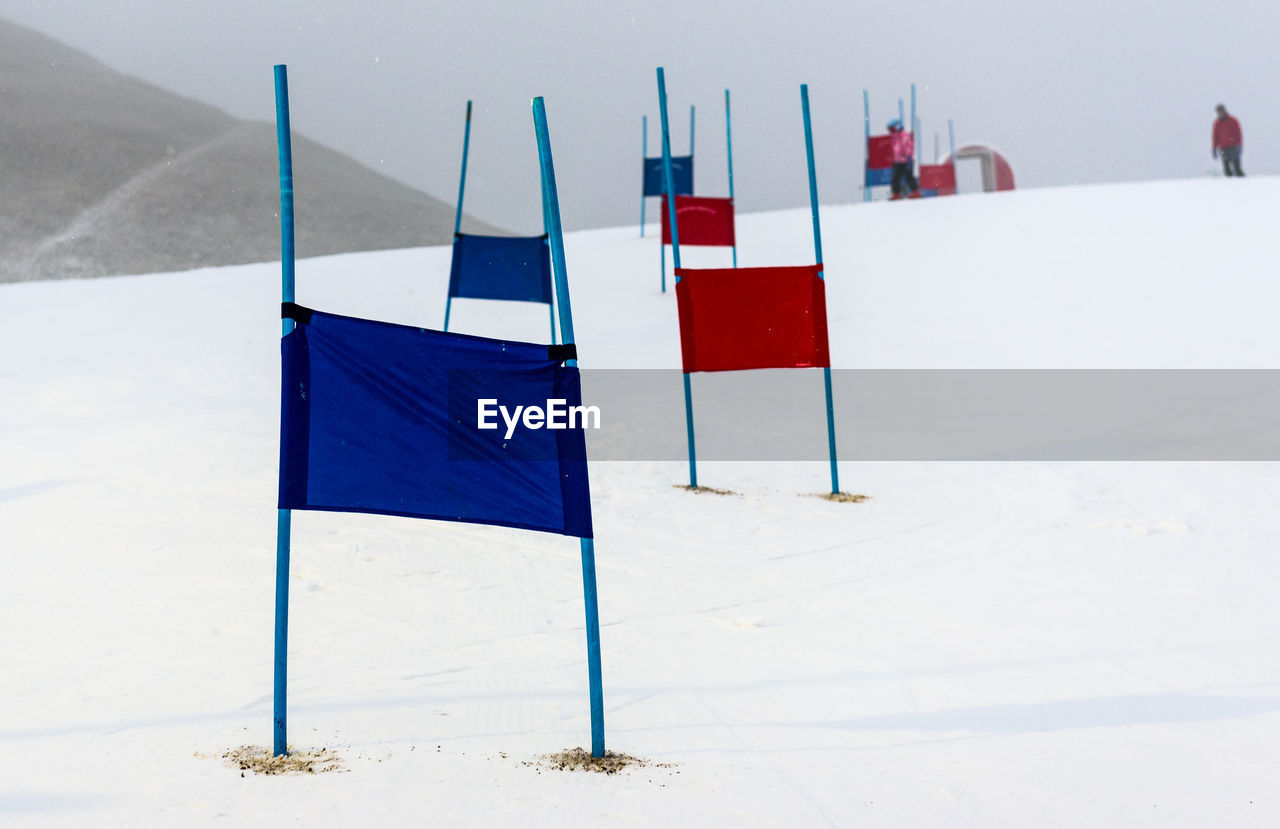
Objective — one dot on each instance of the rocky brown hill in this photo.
(101, 173)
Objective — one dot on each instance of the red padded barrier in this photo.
(703, 220)
(1004, 173)
(940, 177)
(743, 318)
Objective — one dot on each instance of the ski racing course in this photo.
(977, 644)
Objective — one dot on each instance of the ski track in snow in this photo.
(87, 221)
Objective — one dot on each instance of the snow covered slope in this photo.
(999, 644)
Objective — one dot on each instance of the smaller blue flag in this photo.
(681, 176)
(501, 267)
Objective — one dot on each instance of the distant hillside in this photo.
(101, 174)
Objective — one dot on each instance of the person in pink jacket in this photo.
(1228, 140)
(904, 148)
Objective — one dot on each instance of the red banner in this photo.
(940, 177)
(879, 152)
(743, 318)
(702, 221)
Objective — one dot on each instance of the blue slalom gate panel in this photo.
(383, 418)
(501, 267)
(879, 176)
(681, 175)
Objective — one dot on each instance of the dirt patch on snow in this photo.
(260, 760)
(579, 759)
(705, 489)
(842, 497)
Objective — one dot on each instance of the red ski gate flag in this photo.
(703, 220)
(879, 152)
(743, 318)
(940, 177)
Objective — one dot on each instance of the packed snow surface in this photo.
(977, 644)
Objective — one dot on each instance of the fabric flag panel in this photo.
(940, 178)
(681, 175)
(744, 318)
(383, 418)
(879, 160)
(501, 267)
(702, 220)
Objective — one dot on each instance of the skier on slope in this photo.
(904, 179)
(1228, 140)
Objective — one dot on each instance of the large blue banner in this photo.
(387, 419)
(501, 267)
(681, 175)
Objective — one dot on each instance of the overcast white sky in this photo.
(1078, 91)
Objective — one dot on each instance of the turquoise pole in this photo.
(866, 167)
(462, 188)
(546, 232)
(728, 139)
(817, 251)
(662, 264)
(675, 255)
(644, 154)
(915, 124)
(586, 545)
(462, 183)
(284, 516)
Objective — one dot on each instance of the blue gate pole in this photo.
(546, 233)
(644, 154)
(915, 126)
(728, 139)
(817, 252)
(556, 237)
(662, 262)
(866, 167)
(462, 188)
(283, 517)
(901, 116)
(675, 255)
(462, 183)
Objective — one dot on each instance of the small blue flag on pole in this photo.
(501, 267)
(681, 174)
(497, 267)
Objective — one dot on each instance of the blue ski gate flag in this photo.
(390, 419)
(681, 174)
(383, 418)
(501, 267)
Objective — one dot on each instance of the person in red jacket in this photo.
(1228, 140)
(904, 179)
